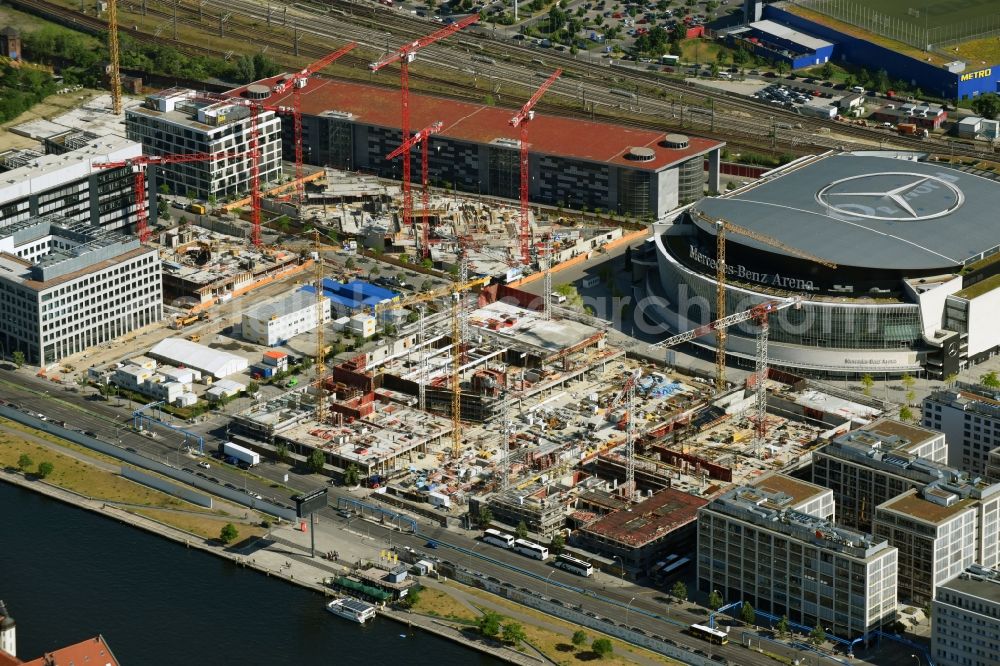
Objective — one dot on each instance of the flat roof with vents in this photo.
(478, 123)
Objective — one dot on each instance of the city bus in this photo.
(531, 549)
(573, 565)
(674, 566)
(709, 634)
(498, 538)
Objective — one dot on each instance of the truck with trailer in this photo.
(242, 455)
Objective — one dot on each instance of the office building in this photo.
(68, 286)
(969, 417)
(868, 466)
(572, 162)
(755, 545)
(276, 323)
(179, 120)
(965, 619)
(935, 533)
(68, 184)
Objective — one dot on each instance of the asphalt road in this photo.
(646, 606)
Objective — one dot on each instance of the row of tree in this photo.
(79, 58)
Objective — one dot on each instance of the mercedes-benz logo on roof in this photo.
(892, 195)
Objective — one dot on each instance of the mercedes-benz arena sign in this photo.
(893, 236)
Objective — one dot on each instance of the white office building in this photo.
(278, 322)
(67, 286)
(180, 120)
(755, 546)
(67, 184)
(965, 620)
(969, 417)
(880, 461)
(935, 533)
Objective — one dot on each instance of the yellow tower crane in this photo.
(453, 291)
(115, 76)
(722, 228)
(320, 351)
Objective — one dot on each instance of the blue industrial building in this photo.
(775, 41)
(354, 296)
(954, 80)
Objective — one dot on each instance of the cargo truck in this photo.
(240, 454)
(910, 129)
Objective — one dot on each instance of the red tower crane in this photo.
(141, 213)
(404, 56)
(521, 120)
(423, 138)
(298, 81)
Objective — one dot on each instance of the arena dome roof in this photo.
(865, 210)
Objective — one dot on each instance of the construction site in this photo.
(463, 396)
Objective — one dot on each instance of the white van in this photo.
(858, 89)
(557, 298)
(726, 76)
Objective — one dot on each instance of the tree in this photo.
(489, 624)
(602, 647)
(25, 462)
(988, 105)
(281, 452)
(253, 388)
(426, 285)
(905, 413)
(782, 627)
(579, 638)
(411, 599)
(349, 264)
(162, 208)
(44, 469)
(316, 461)
(679, 591)
(163, 188)
(748, 614)
(558, 543)
(908, 380)
(951, 379)
(352, 475)
(826, 71)
(714, 600)
(18, 357)
(485, 516)
(521, 531)
(513, 633)
(817, 636)
(990, 380)
(867, 381)
(228, 533)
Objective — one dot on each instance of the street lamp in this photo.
(916, 657)
(627, 609)
(622, 562)
(547, 582)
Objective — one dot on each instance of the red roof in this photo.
(664, 512)
(7, 659)
(91, 652)
(553, 135)
(275, 354)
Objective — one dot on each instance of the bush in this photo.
(602, 647)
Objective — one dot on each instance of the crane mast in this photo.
(520, 121)
(404, 56)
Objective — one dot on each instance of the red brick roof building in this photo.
(572, 162)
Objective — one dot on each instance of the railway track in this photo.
(477, 55)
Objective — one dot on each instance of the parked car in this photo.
(204, 464)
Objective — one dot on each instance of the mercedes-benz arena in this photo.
(913, 243)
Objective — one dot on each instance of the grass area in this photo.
(207, 527)
(83, 478)
(980, 288)
(701, 51)
(96, 455)
(861, 33)
(435, 602)
(555, 643)
(978, 52)
(10, 17)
